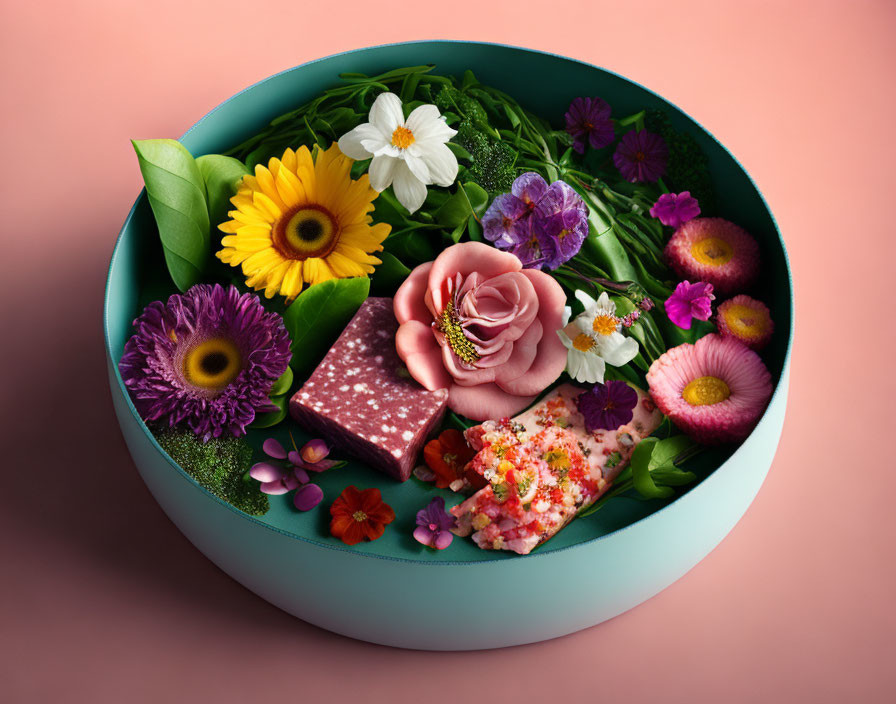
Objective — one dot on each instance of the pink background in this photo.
(102, 599)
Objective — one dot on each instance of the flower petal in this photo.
(417, 347)
(408, 303)
(385, 113)
(307, 497)
(418, 167)
(409, 190)
(382, 171)
(428, 125)
(273, 448)
(617, 349)
(266, 472)
(486, 401)
(352, 143)
(442, 164)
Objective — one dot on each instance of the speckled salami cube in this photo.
(362, 399)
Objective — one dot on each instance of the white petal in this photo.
(564, 338)
(386, 112)
(567, 312)
(381, 172)
(617, 349)
(593, 370)
(418, 167)
(605, 306)
(409, 190)
(584, 299)
(387, 149)
(428, 126)
(351, 143)
(442, 165)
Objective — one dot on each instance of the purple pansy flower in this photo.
(607, 406)
(689, 301)
(674, 210)
(641, 156)
(588, 119)
(206, 359)
(434, 525)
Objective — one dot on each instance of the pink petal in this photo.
(464, 259)
(423, 535)
(409, 303)
(307, 497)
(485, 402)
(524, 351)
(443, 539)
(266, 472)
(422, 355)
(272, 448)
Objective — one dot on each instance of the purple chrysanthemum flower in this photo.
(588, 119)
(690, 301)
(607, 406)
(562, 217)
(434, 525)
(675, 210)
(206, 359)
(641, 156)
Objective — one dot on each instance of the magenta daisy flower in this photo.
(747, 320)
(641, 156)
(674, 210)
(714, 390)
(689, 301)
(588, 120)
(716, 251)
(206, 359)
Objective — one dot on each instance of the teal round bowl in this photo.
(394, 591)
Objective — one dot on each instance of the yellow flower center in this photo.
(706, 391)
(605, 324)
(449, 325)
(212, 364)
(311, 231)
(359, 516)
(712, 251)
(745, 321)
(583, 342)
(402, 138)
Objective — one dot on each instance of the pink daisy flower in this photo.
(716, 251)
(714, 390)
(747, 320)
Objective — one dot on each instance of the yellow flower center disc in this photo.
(402, 138)
(604, 325)
(213, 364)
(359, 516)
(745, 321)
(583, 342)
(310, 232)
(706, 391)
(712, 251)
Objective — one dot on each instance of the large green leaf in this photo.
(315, 319)
(222, 176)
(176, 194)
(389, 275)
(641, 478)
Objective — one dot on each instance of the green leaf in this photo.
(478, 198)
(389, 275)
(283, 384)
(222, 176)
(176, 193)
(665, 451)
(672, 476)
(317, 317)
(267, 420)
(640, 464)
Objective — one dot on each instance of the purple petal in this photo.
(295, 458)
(266, 472)
(529, 187)
(307, 497)
(301, 476)
(424, 535)
(314, 451)
(424, 473)
(274, 488)
(679, 312)
(272, 448)
(442, 539)
(321, 466)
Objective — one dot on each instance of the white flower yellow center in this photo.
(402, 138)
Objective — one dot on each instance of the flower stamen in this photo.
(402, 137)
(449, 325)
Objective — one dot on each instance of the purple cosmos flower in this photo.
(561, 217)
(434, 525)
(641, 156)
(675, 210)
(690, 301)
(588, 119)
(607, 406)
(206, 359)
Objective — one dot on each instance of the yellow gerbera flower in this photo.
(302, 219)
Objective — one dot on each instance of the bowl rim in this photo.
(780, 386)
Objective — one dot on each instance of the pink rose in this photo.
(475, 322)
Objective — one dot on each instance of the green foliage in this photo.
(222, 176)
(219, 465)
(688, 169)
(317, 317)
(493, 162)
(176, 193)
(279, 397)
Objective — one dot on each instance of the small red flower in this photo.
(446, 456)
(359, 515)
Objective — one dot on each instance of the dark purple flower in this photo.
(675, 210)
(307, 497)
(690, 301)
(588, 119)
(561, 216)
(641, 156)
(502, 224)
(434, 525)
(206, 359)
(607, 406)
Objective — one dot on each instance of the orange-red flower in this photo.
(447, 455)
(359, 515)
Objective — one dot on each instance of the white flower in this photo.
(593, 340)
(407, 154)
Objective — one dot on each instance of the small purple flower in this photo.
(276, 479)
(641, 156)
(502, 224)
(690, 301)
(675, 210)
(530, 188)
(434, 525)
(607, 406)
(562, 217)
(588, 119)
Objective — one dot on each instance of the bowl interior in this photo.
(544, 83)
